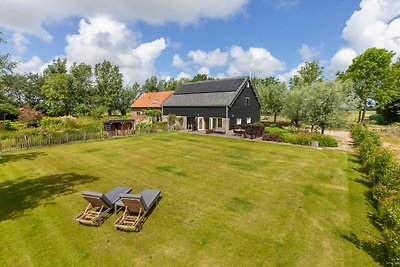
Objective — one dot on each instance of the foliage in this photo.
(304, 139)
(324, 104)
(69, 122)
(295, 106)
(60, 94)
(383, 173)
(108, 85)
(29, 115)
(6, 125)
(201, 77)
(153, 114)
(308, 74)
(51, 121)
(272, 137)
(276, 130)
(272, 98)
(171, 119)
(324, 140)
(370, 73)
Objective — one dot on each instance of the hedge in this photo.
(383, 173)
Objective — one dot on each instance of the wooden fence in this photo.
(28, 141)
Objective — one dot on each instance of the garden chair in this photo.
(99, 205)
(136, 208)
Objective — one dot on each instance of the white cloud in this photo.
(20, 42)
(209, 59)
(33, 65)
(102, 38)
(183, 75)
(178, 62)
(29, 16)
(341, 60)
(204, 70)
(376, 24)
(258, 61)
(285, 77)
(308, 52)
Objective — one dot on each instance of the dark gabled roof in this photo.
(215, 93)
(213, 86)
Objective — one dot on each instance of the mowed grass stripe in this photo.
(225, 202)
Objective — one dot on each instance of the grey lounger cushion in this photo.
(148, 197)
(113, 195)
(110, 197)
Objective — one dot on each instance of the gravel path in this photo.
(345, 142)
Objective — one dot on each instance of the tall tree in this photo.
(60, 94)
(7, 107)
(150, 85)
(58, 66)
(325, 104)
(272, 97)
(108, 85)
(308, 74)
(370, 73)
(82, 83)
(390, 108)
(201, 77)
(128, 95)
(295, 106)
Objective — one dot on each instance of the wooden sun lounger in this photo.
(136, 208)
(99, 205)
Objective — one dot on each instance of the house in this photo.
(218, 104)
(151, 100)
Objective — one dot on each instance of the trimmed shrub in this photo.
(271, 137)
(324, 140)
(297, 139)
(275, 130)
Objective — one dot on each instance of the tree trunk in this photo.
(363, 111)
(359, 116)
(274, 118)
(322, 130)
(312, 127)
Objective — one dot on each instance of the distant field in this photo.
(226, 202)
(391, 139)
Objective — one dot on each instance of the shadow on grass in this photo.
(373, 248)
(19, 196)
(4, 158)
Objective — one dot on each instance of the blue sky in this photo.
(174, 38)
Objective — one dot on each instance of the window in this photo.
(248, 120)
(247, 101)
(238, 121)
(219, 122)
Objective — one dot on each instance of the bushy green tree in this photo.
(295, 105)
(370, 73)
(272, 97)
(308, 74)
(325, 104)
(108, 85)
(60, 94)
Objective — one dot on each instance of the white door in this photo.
(200, 123)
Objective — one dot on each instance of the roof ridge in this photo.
(218, 79)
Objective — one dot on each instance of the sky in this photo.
(180, 38)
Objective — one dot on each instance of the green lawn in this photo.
(226, 202)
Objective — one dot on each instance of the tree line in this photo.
(372, 80)
(83, 90)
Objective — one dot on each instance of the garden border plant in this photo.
(383, 175)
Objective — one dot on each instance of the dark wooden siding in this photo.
(196, 111)
(240, 110)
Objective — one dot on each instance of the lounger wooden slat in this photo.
(99, 205)
(136, 209)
